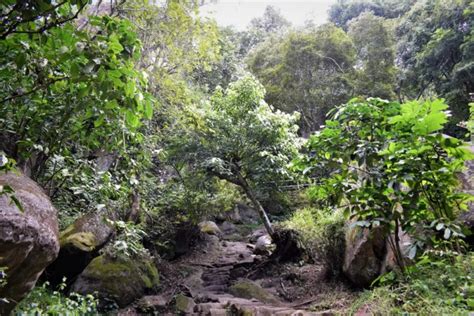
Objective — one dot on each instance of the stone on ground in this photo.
(263, 245)
(248, 289)
(209, 227)
(184, 304)
(121, 280)
(80, 243)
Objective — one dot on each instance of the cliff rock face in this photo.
(28, 237)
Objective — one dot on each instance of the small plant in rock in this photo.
(388, 165)
(128, 242)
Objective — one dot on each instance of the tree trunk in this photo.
(261, 211)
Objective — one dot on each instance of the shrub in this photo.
(441, 283)
(390, 166)
(43, 301)
(323, 235)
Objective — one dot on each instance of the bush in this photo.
(43, 301)
(389, 166)
(323, 235)
(441, 283)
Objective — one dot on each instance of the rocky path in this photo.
(223, 289)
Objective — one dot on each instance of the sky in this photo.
(238, 13)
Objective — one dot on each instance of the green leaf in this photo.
(148, 109)
(132, 119)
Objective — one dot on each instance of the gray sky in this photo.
(239, 12)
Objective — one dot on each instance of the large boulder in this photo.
(80, 243)
(28, 237)
(364, 255)
(368, 254)
(117, 279)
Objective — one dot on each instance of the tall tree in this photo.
(343, 11)
(308, 72)
(239, 138)
(376, 72)
(436, 44)
(271, 23)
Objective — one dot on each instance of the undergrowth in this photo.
(441, 283)
(322, 233)
(43, 301)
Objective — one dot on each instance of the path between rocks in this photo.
(224, 264)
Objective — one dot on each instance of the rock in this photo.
(80, 243)
(121, 280)
(184, 304)
(248, 289)
(365, 251)
(257, 234)
(186, 234)
(263, 245)
(28, 238)
(247, 214)
(228, 228)
(151, 303)
(209, 227)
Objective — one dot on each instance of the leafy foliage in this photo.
(238, 138)
(323, 233)
(374, 42)
(43, 301)
(435, 50)
(390, 166)
(308, 72)
(450, 292)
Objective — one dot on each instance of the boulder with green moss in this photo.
(80, 243)
(121, 280)
(209, 227)
(248, 289)
(184, 304)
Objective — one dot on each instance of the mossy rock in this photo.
(209, 227)
(119, 279)
(248, 289)
(184, 304)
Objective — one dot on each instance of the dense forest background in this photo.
(158, 119)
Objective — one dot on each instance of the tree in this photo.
(376, 73)
(389, 166)
(260, 29)
(308, 72)
(342, 12)
(239, 138)
(435, 52)
(65, 87)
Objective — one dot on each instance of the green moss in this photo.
(111, 274)
(184, 304)
(249, 290)
(83, 240)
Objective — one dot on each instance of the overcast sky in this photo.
(239, 12)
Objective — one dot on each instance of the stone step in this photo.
(216, 288)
